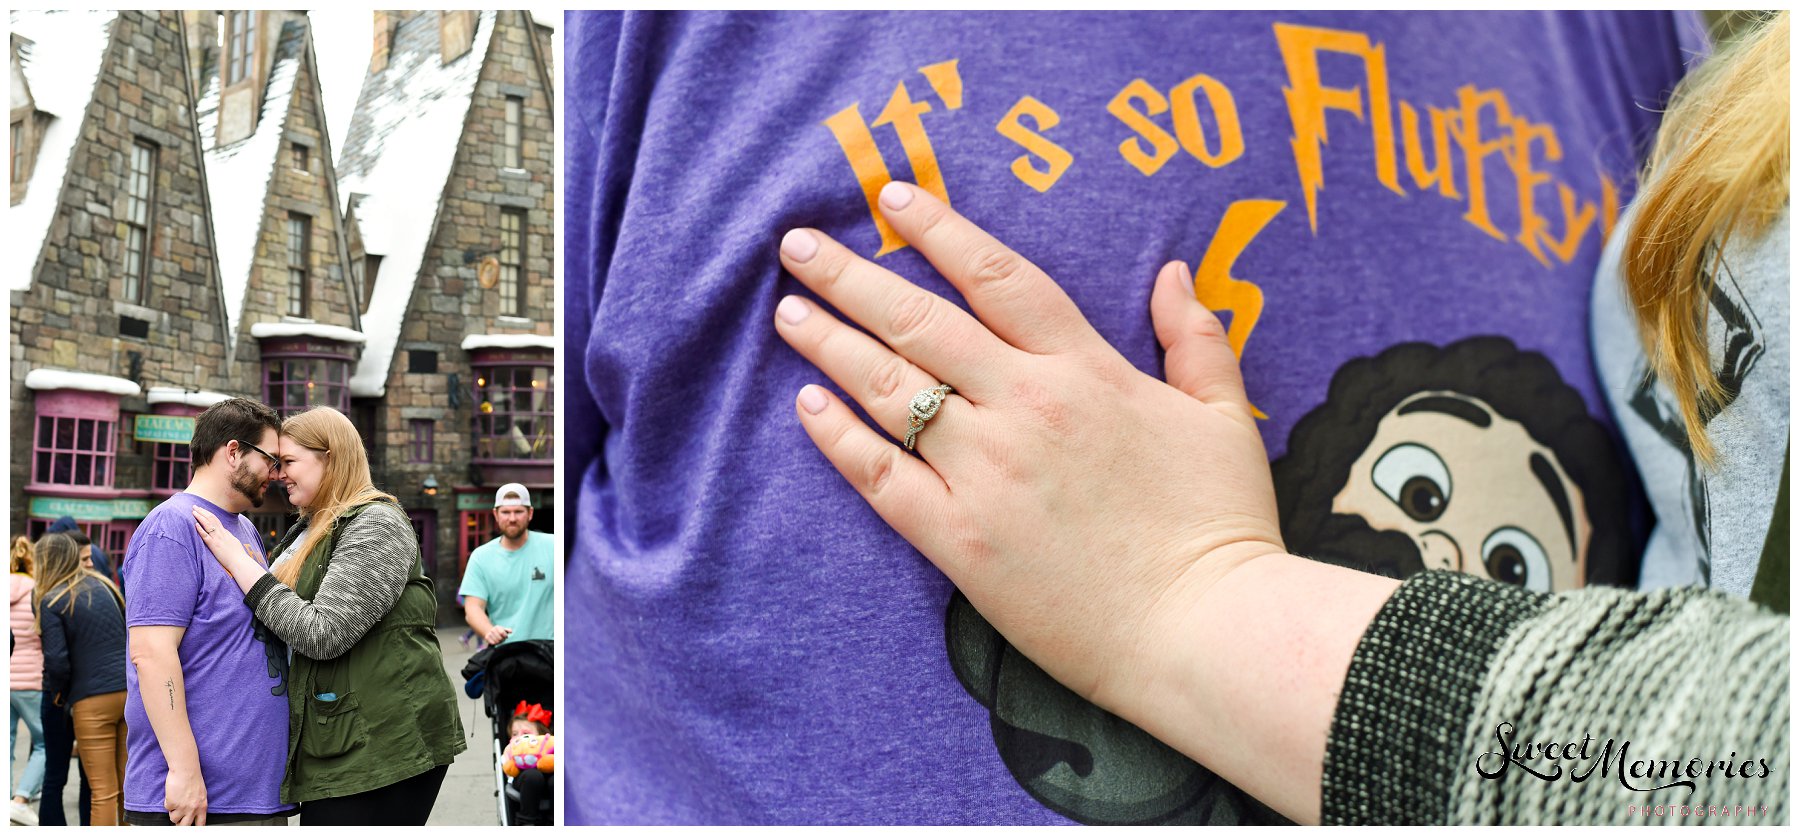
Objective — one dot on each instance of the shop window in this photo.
(296, 384)
(118, 536)
(514, 413)
(477, 528)
(77, 452)
(172, 467)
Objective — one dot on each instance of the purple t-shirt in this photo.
(1397, 215)
(235, 682)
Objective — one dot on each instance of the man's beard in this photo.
(512, 533)
(252, 487)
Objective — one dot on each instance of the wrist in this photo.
(1252, 669)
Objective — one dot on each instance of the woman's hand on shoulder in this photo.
(226, 549)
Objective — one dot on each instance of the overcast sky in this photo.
(341, 38)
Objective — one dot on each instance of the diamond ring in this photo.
(922, 408)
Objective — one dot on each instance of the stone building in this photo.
(119, 320)
(448, 171)
(194, 237)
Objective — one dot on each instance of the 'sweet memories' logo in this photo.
(1544, 760)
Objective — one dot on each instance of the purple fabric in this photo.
(237, 709)
(758, 646)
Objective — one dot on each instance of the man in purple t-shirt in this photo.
(206, 707)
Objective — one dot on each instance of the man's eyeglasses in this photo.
(274, 463)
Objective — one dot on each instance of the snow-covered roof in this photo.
(238, 175)
(400, 148)
(265, 330)
(59, 65)
(169, 394)
(43, 380)
(475, 341)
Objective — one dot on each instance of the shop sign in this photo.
(52, 507)
(167, 429)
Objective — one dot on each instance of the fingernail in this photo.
(812, 399)
(896, 195)
(791, 310)
(799, 245)
(1184, 275)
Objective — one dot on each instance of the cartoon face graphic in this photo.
(1514, 516)
(1473, 457)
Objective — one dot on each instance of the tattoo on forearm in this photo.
(170, 684)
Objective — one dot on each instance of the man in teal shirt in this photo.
(508, 588)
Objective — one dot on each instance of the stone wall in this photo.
(70, 317)
(449, 302)
(310, 193)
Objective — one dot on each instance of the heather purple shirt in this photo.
(236, 708)
(758, 647)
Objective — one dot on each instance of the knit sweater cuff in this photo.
(1395, 737)
(260, 590)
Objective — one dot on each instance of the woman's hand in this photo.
(1084, 507)
(227, 550)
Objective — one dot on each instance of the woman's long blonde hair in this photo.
(1720, 166)
(344, 485)
(21, 555)
(59, 569)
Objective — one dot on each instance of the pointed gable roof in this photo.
(399, 152)
(58, 56)
(240, 174)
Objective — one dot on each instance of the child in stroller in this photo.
(505, 676)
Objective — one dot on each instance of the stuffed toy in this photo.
(530, 751)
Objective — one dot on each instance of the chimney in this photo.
(385, 23)
(202, 46)
(456, 33)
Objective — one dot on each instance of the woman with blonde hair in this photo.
(81, 617)
(26, 663)
(372, 714)
(1690, 325)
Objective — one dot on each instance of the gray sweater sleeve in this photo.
(1451, 663)
(370, 563)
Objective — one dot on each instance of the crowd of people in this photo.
(204, 680)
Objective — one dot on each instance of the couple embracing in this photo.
(313, 679)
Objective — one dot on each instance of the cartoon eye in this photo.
(1513, 556)
(1415, 479)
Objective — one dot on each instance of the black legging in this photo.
(59, 742)
(406, 803)
(534, 798)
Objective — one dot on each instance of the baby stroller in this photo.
(503, 676)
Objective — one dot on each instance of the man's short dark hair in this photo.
(239, 419)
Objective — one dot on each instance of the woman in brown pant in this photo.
(81, 616)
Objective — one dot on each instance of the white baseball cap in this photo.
(523, 497)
